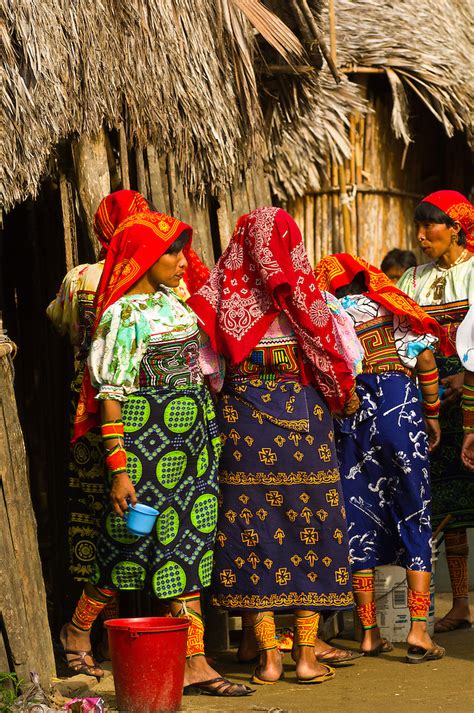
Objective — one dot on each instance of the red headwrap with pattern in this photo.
(340, 269)
(264, 271)
(113, 210)
(458, 208)
(137, 244)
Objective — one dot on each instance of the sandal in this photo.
(338, 657)
(417, 654)
(383, 648)
(224, 688)
(321, 678)
(447, 623)
(78, 664)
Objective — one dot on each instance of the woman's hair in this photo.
(178, 244)
(356, 287)
(398, 258)
(426, 212)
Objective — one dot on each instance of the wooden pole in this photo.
(69, 222)
(123, 150)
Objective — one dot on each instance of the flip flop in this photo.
(225, 688)
(417, 654)
(447, 624)
(383, 648)
(321, 678)
(78, 664)
(334, 658)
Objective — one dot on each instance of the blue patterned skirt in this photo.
(173, 446)
(281, 539)
(383, 456)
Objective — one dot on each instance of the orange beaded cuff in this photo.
(111, 430)
(418, 605)
(117, 460)
(367, 615)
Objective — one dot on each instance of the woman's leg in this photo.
(306, 630)
(363, 586)
(457, 551)
(197, 671)
(270, 666)
(75, 635)
(419, 604)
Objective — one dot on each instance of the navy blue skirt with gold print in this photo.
(281, 534)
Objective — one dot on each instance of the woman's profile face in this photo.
(168, 270)
(435, 239)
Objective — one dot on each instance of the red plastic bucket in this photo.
(148, 657)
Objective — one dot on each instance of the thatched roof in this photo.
(424, 47)
(193, 77)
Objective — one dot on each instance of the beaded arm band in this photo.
(468, 407)
(428, 379)
(116, 457)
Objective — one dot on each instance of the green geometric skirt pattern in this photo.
(173, 448)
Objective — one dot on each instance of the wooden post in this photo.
(123, 151)
(69, 222)
(25, 638)
(93, 178)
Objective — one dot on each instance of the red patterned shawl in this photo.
(265, 270)
(115, 208)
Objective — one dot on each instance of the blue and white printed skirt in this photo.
(383, 457)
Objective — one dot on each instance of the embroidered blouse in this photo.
(145, 340)
(386, 337)
(417, 282)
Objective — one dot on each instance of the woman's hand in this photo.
(453, 385)
(434, 433)
(122, 489)
(467, 452)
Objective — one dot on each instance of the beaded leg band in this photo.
(88, 608)
(195, 642)
(418, 605)
(363, 581)
(111, 610)
(457, 565)
(306, 629)
(265, 633)
(367, 615)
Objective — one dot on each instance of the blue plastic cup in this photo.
(140, 519)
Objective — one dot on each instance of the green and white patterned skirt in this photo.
(172, 443)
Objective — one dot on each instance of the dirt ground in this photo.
(386, 684)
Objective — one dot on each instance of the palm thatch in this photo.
(178, 73)
(423, 47)
(197, 79)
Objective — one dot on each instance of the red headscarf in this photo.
(138, 243)
(458, 208)
(113, 209)
(117, 206)
(340, 269)
(265, 271)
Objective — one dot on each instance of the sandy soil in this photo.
(385, 684)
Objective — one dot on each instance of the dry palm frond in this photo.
(276, 33)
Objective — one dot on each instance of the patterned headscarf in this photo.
(264, 271)
(340, 269)
(113, 210)
(458, 208)
(138, 243)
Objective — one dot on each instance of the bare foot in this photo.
(371, 640)
(74, 640)
(307, 665)
(418, 636)
(270, 666)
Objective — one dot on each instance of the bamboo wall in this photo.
(383, 184)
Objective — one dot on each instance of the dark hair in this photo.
(178, 244)
(426, 212)
(398, 258)
(356, 287)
